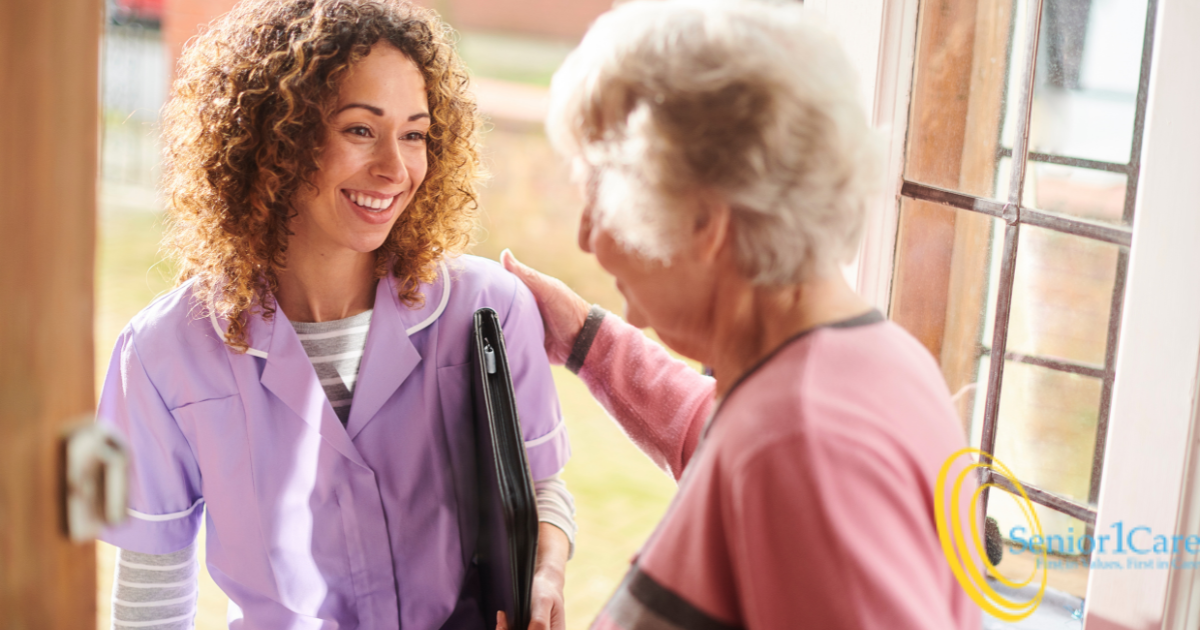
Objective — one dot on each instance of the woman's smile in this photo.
(369, 200)
(372, 207)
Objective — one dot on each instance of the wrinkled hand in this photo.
(563, 311)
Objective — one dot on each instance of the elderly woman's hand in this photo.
(563, 311)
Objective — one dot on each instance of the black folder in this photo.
(508, 529)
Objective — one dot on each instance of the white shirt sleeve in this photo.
(556, 506)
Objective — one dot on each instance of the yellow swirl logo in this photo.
(957, 545)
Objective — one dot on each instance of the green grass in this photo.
(528, 206)
(619, 496)
(128, 273)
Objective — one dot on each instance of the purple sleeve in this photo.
(546, 441)
(165, 504)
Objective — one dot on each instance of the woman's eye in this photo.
(360, 131)
(416, 136)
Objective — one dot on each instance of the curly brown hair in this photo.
(243, 132)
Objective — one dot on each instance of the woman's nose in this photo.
(389, 161)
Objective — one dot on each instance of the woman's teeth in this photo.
(368, 202)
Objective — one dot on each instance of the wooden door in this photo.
(49, 113)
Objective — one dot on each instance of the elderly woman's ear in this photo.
(711, 238)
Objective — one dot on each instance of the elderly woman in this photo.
(727, 166)
(305, 388)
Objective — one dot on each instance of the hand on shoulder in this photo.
(563, 311)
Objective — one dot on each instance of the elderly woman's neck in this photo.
(752, 322)
(322, 287)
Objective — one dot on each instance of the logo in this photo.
(957, 544)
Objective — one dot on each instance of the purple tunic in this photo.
(311, 524)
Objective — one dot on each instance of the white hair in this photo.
(753, 101)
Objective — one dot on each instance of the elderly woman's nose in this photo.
(585, 230)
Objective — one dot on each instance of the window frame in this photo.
(1152, 471)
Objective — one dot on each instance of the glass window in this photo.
(1021, 171)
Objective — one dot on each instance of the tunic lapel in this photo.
(290, 376)
(389, 357)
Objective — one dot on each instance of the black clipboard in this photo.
(508, 528)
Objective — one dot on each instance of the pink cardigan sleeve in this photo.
(659, 401)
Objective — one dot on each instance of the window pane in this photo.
(1066, 572)
(1089, 63)
(1047, 428)
(1062, 296)
(1080, 192)
(961, 89)
(944, 290)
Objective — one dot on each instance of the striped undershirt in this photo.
(335, 349)
(155, 591)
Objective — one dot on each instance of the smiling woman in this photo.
(252, 120)
(373, 161)
(305, 388)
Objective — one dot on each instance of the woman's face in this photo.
(373, 159)
(674, 299)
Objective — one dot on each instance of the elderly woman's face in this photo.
(373, 159)
(675, 299)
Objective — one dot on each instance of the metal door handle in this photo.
(96, 480)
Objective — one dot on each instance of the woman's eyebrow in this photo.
(377, 111)
(370, 108)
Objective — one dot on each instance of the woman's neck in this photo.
(751, 322)
(322, 286)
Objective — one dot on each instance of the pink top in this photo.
(810, 503)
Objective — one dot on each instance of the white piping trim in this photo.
(158, 567)
(117, 623)
(441, 305)
(417, 328)
(546, 438)
(221, 333)
(163, 602)
(164, 517)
